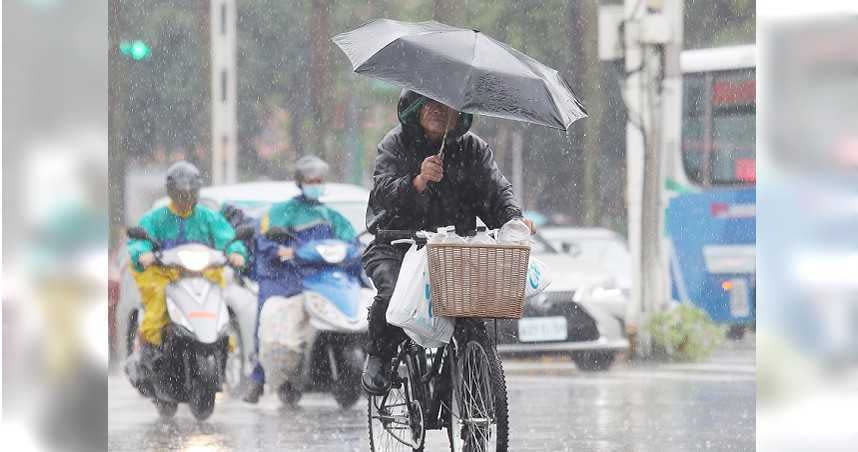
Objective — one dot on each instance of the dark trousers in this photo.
(382, 263)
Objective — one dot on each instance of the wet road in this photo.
(553, 407)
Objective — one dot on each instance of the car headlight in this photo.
(332, 254)
(540, 301)
(598, 293)
(194, 260)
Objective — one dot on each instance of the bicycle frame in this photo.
(428, 382)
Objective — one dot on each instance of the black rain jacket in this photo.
(472, 186)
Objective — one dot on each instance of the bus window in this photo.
(718, 127)
(693, 125)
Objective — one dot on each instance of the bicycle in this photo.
(460, 387)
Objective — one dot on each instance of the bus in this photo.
(710, 186)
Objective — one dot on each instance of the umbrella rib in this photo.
(527, 62)
(554, 104)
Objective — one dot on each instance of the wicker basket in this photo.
(478, 280)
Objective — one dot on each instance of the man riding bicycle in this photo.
(414, 188)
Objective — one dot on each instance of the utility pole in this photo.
(319, 79)
(585, 68)
(223, 89)
(650, 43)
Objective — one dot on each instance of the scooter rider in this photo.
(414, 188)
(182, 221)
(280, 279)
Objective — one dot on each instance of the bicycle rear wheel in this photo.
(479, 418)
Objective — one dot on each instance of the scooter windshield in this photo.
(194, 257)
(328, 251)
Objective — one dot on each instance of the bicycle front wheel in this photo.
(395, 423)
(479, 418)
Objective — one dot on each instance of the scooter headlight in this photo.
(332, 254)
(194, 260)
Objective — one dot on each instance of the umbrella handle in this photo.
(443, 144)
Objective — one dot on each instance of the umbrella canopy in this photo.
(464, 69)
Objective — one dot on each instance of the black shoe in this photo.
(375, 380)
(255, 391)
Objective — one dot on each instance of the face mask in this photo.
(313, 191)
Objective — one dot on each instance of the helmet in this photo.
(183, 181)
(310, 167)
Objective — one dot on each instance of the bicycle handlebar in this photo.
(389, 235)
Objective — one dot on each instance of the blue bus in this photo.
(710, 186)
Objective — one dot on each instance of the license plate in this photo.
(538, 329)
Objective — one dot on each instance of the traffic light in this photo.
(137, 50)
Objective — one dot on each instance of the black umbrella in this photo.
(464, 69)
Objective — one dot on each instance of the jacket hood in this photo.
(408, 111)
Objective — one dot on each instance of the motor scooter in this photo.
(336, 296)
(191, 368)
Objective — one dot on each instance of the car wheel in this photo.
(594, 361)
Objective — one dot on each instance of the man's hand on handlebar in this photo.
(285, 253)
(146, 259)
(236, 260)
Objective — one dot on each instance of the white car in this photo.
(582, 313)
(254, 199)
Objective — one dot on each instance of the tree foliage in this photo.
(281, 115)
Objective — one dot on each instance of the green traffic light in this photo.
(137, 50)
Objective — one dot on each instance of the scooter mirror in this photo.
(137, 233)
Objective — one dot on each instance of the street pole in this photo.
(652, 42)
(117, 149)
(223, 88)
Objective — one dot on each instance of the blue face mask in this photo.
(313, 191)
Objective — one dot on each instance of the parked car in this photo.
(254, 199)
(582, 312)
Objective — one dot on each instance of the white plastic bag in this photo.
(538, 277)
(514, 232)
(411, 306)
